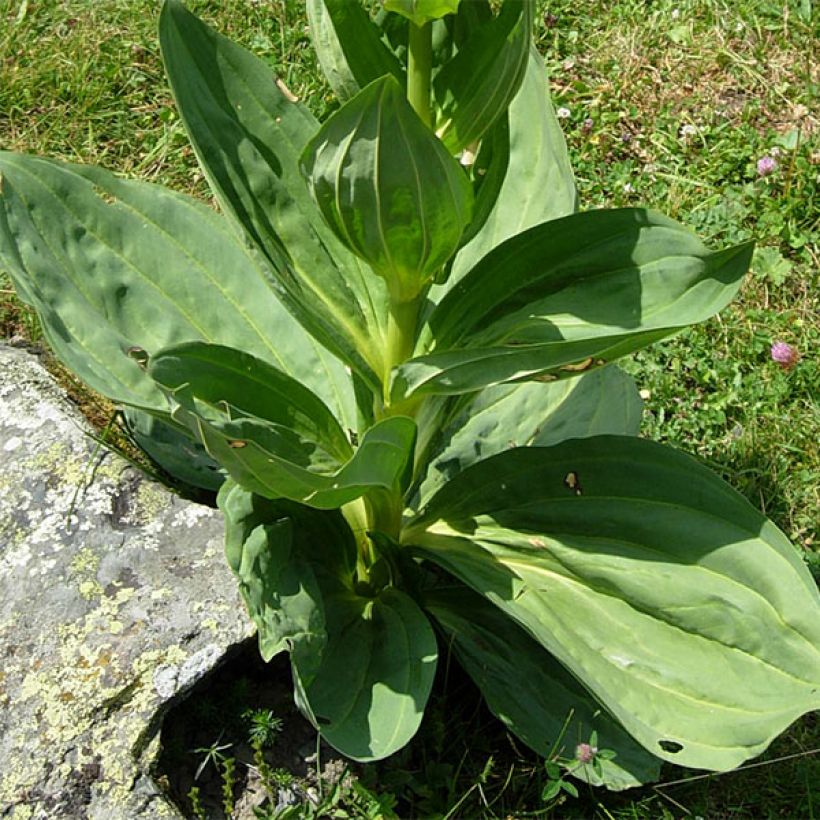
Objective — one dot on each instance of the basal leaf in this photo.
(388, 188)
(475, 88)
(349, 46)
(569, 295)
(118, 269)
(367, 698)
(248, 131)
(531, 693)
(679, 606)
(363, 666)
(278, 552)
(273, 436)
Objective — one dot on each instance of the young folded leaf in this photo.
(349, 46)
(388, 187)
(420, 12)
(477, 86)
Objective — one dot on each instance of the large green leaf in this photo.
(605, 401)
(538, 184)
(388, 187)
(118, 268)
(276, 550)
(349, 46)
(476, 86)
(568, 295)
(677, 604)
(273, 436)
(368, 696)
(248, 132)
(363, 665)
(241, 385)
(531, 693)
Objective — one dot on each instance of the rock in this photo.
(114, 600)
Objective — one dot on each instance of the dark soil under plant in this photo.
(215, 723)
(461, 764)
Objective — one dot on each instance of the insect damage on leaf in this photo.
(138, 355)
(579, 366)
(105, 196)
(572, 481)
(288, 94)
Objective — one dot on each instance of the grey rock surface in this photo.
(114, 599)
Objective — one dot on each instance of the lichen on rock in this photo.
(108, 583)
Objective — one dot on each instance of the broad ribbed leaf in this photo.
(273, 436)
(349, 46)
(367, 698)
(278, 550)
(422, 11)
(388, 188)
(475, 88)
(531, 693)
(538, 185)
(248, 132)
(118, 269)
(605, 401)
(569, 295)
(241, 385)
(678, 605)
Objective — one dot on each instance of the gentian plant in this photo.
(392, 356)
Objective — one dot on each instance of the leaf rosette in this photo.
(394, 458)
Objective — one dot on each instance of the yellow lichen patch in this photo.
(90, 589)
(71, 700)
(150, 500)
(85, 562)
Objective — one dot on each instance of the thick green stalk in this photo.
(356, 514)
(401, 333)
(419, 66)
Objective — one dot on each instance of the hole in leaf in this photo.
(671, 746)
(138, 355)
(105, 196)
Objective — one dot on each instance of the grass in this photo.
(668, 104)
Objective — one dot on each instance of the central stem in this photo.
(419, 66)
(401, 333)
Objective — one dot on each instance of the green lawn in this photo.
(667, 104)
